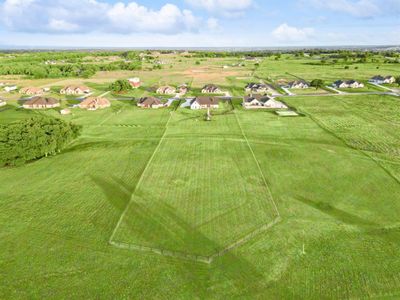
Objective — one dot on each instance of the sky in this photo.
(198, 23)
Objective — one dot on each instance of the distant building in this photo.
(298, 84)
(183, 89)
(211, 89)
(166, 90)
(150, 102)
(94, 103)
(75, 90)
(10, 88)
(31, 91)
(259, 101)
(2, 102)
(65, 111)
(349, 84)
(257, 88)
(204, 103)
(135, 82)
(383, 80)
(41, 103)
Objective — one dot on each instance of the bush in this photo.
(120, 86)
(34, 138)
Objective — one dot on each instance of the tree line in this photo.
(34, 138)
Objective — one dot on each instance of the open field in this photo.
(287, 208)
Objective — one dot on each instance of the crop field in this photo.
(161, 204)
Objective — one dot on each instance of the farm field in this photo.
(161, 204)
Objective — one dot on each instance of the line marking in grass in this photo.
(258, 165)
(140, 180)
(187, 256)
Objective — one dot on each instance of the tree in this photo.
(317, 83)
(34, 138)
(120, 86)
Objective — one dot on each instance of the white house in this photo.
(258, 88)
(10, 88)
(204, 103)
(258, 101)
(383, 80)
(298, 84)
(349, 84)
(2, 102)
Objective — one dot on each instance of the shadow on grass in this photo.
(159, 224)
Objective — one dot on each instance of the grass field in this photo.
(127, 210)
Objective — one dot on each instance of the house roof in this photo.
(297, 82)
(41, 101)
(149, 101)
(210, 87)
(206, 100)
(95, 101)
(260, 98)
(75, 87)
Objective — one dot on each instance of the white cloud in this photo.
(359, 8)
(59, 16)
(289, 34)
(222, 6)
(213, 24)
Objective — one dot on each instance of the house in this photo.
(383, 80)
(10, 88)
(204, 103)
(75, 90)
(211, 89)
(2, 102)
(39, 102)
(150, 102)
(258, 88)
(183, 89)
(298, 84)
(166, 90)
(31, 91)
(65, 111)
(259, 101)
(94, 103)
(135, 82)
(349, 84)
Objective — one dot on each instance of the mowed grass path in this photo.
(202, 190)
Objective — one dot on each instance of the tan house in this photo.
(150, 102)
(31, 91)
(349, 84)
(183, 89)
(298, 84)
(94, 103)
(204, 103)
(211, 89)
(166, 90)
(41, 103)
(75, 90)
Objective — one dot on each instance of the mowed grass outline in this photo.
(194, 257)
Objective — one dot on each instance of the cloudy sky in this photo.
(198, 23)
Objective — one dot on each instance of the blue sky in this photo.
(198, 23)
